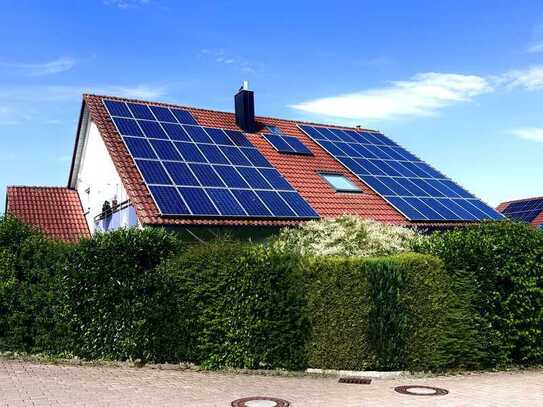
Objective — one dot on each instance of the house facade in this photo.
(197, 171)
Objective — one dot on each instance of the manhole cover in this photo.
(354, 380)
(421, 390)
(260, 402)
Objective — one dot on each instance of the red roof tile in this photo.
(56, 211)
(300, 171)
(538, 221)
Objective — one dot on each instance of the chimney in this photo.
(245, 109)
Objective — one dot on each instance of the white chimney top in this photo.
(245, 85)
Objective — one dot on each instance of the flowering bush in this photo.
(346, 236)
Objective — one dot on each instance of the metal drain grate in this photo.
(260, 402)
(354, 380)
(426, 390)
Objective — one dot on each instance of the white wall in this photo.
(97, 179)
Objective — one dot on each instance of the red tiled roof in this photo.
(538, 220)
(300, 171)
(56, 211)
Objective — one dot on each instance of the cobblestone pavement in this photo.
(32, 384)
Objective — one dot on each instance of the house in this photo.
(529, 210)
(200, 171)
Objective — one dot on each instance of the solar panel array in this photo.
(526, 211)
(287, 144)
(413, 187)
(192, 170)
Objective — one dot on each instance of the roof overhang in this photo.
(80, 139)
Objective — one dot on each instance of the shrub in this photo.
(30, 270)
(13, 233)
(243, 306)
(338, 304)
(118, 305)
(345, 236)
(504, 261)
(135, 294)
(377, 313)
(398, 312)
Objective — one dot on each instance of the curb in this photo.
(355, 373)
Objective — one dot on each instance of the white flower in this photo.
(345, 236)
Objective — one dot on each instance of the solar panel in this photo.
(140, 111)
(526, 210)
(167, 199)
(184, 117)
(192, 170)
(139, 148)
(128, 127)
(413, 187)
(287, 144)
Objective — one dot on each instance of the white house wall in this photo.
(97, 179)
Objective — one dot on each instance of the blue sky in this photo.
(460, 83)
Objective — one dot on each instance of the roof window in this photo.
(339, 182)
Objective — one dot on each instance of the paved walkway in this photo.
(30, 384)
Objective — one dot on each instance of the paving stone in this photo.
(24, 384)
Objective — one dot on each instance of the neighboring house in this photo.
(56, 211)
(529, 210)
(201, 171)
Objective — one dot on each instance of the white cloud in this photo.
(422, 95)
(529, 133)
(18, 104)
(530, 79)
(42, 69)
(220, 56)
(535, 48)
(125, 4)
(66, 93)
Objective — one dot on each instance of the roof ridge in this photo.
(225, 112)
(40, 187)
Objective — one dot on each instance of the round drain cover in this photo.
(421, 390)
(260, 402)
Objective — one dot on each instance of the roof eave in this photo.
(76, 156)
(6, 203)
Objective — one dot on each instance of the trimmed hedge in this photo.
(31, 316)
(243, 306)
(504, 262)
(378, 313)
(99, 299)
(141, 294)
(338, 304)
(119, 306)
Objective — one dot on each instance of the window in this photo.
(340, 183)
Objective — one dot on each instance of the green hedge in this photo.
(99, 299)
(504, 262)
(31, 316)
(243, 306)
(119, 306)
(381, 313)
(141, 294)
